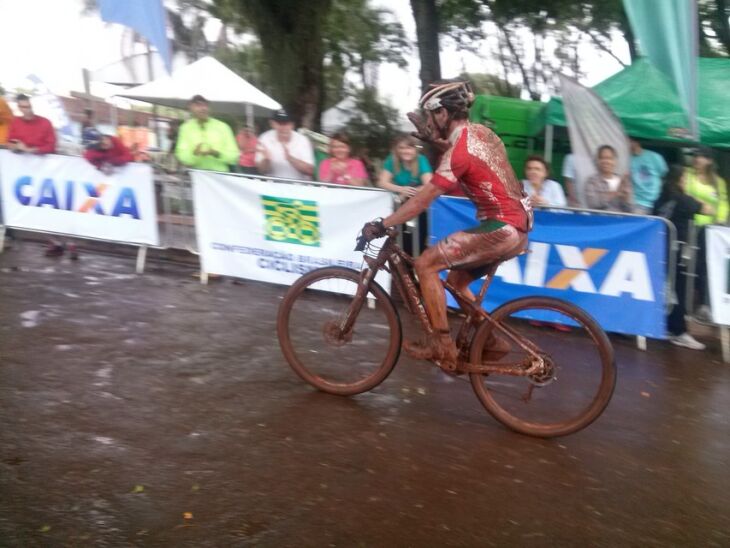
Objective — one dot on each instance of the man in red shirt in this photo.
(30, 133)
(476, 161)
(105, 152)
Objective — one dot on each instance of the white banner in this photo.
(591, 124)
(718, 272)
(67, 195)
(276, 231)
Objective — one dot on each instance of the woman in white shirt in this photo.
(542, 191)
(607, 190)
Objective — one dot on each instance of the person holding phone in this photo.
(29, 132)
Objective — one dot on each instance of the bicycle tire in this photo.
(295, 356)
(598, 401)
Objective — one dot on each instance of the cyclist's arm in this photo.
(418, 203)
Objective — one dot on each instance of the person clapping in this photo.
(340, 168)
(204, 142)
(542, 191)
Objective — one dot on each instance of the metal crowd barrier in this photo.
(176, 220)
(691, 257)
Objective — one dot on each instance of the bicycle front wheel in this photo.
(310, 323)
(572, 388)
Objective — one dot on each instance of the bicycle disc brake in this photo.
(545, 373)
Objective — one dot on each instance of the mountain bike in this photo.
(341, 332)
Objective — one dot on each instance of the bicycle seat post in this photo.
(488, 277)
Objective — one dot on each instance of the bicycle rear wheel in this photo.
(577, 382)
(309, 321)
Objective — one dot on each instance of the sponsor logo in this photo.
(291, 221)
(628, 273)
(77, 196)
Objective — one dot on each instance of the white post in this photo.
(2, 238)
(203, 277)
(141, 258)
(641, 343)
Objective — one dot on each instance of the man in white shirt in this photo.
(282, 152)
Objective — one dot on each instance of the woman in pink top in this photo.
(340, 168)
(247, 141)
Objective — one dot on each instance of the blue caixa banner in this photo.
(614, 267)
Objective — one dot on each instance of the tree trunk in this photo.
(722, 24)
(290, 33)
(425, 13)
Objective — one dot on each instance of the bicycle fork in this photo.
(347, 323)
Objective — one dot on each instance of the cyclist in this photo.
(475, 159)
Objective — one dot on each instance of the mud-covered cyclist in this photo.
(474, 158)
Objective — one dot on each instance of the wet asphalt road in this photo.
(153, 411)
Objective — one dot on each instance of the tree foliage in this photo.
(291, 37)
(538, 38)
(374, 125)
(489, 84)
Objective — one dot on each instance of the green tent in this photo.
(649, 108)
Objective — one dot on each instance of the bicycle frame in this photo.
(398, 263)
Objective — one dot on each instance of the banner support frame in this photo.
(141, 259)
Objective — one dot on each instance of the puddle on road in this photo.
(30, 318)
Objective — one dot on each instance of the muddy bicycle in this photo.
(341, 332)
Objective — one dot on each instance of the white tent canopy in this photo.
(227, 92)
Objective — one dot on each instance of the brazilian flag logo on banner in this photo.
(291, 220)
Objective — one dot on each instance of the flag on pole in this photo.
(591, 124)
(668, 35)
(147, 17)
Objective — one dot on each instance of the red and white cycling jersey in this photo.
(477, 161)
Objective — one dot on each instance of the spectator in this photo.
(542, 191)
(606, 190)
(705, 185)
(340, 168)
(647, 170)
(89, 133)
(282, 152)
(404, 170)
(136, 139)
(31, 133)
(6, 117)
(105, 152)
(204, 142)
(247, 142)
(674, 204)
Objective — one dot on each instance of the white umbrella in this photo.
(227, 92)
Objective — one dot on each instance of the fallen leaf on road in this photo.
(188, 515)
(646, 394)
(138, 489)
